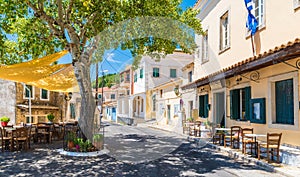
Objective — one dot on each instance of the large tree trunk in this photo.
(87, 110)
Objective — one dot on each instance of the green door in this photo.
(284, 94)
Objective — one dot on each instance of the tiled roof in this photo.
(246, 61)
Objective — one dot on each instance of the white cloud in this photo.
(109, 57)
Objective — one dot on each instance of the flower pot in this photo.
(4, 124)
(71, 144)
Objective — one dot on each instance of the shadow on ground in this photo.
(186, 160)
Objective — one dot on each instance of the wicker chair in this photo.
(271, 147)
(247, 140)
(233, 137)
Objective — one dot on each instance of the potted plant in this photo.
(98, 141)
(4, 120)
(70, 139)
(190, 119)
(50, 117)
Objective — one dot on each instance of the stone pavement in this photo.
(283, 169)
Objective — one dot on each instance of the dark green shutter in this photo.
(205, 108)
(201, 104)
(284, 98)
(141, 73)
(234, 104)
(247, 102)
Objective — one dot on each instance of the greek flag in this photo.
(251, 23)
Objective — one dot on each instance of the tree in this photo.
(42, 27)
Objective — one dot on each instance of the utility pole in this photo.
(102, 85)
(96, 95)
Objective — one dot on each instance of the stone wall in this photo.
(8, 100)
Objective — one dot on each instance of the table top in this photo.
(223, 129)
(256, 135)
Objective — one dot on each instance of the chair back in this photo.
(21, 132)
(235, 130)
(2, 133)
(246, 131)
(274, 139)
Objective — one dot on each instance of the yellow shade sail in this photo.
(43, 74)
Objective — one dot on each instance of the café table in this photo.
(221, 134)
(255, 136)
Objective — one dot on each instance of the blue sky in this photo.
(116, 60)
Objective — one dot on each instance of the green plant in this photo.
(50, 117)
(190, 119)
(71, 136)
(98, 137)
(4, 119)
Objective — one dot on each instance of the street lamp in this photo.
(102, 96)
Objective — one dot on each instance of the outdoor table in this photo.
(255, 136)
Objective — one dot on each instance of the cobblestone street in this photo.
(185, 160)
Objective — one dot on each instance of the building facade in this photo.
(238, 83)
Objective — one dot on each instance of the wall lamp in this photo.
(68, 96)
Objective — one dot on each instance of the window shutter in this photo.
(234, 104)
(205, 112)
(247, 102)
(201, 105)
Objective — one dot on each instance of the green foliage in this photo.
(50, 117)
(190, 119)
(71, 136)
(98, 137)
(108, 80)
(4, 119)
(39, 27)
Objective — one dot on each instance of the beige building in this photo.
(235, 86)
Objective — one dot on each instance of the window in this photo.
(176, 109)
(28, 89)
(44, 94)
(141, 73)
(283, 107)
(72, 108)
(224, 32)
(99, 96)
(155, 72)
(240, 103)
(259, 12)
(205, 47)
(161, 93)
(153, 102)
(29, 120)
(128, 92)
(173, 73)
(296, 4)
(127, 77)
(203, 106)
(190, 76)
(135, 77)
(112, 96)
(284, 101)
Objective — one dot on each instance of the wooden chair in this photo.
(247, 140)
(5, 140)
(233, 137)
(218, 136)
(44, 134)
(20, 138)
(271, 147)
(185, 127)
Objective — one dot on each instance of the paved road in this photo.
(185, 160)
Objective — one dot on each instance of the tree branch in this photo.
(69, 10)
(60, 11)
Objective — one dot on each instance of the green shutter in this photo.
(247, 102)
(234, 104)
(205, 108)
(201, 105)
(141, 73)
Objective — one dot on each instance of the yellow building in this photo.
(236, 85)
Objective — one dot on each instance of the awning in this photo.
(43, 73)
